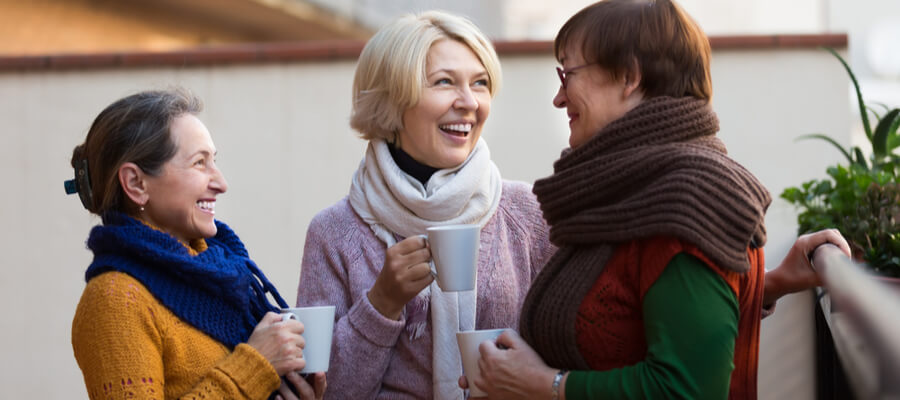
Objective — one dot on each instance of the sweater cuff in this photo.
(251, 372)
(373, 326)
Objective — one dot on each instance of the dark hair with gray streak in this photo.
(133, 129)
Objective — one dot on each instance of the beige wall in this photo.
(287, 152)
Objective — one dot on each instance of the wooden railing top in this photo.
(863, 315)
(339, 50)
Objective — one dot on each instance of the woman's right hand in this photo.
(279, 342)
(405, 273)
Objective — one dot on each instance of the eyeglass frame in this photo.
(563, 73)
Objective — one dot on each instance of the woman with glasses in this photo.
(421, 96)
(657, 288)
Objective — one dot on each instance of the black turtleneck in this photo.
(409, 165)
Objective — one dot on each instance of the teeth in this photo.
(457, 127)
(207, 205)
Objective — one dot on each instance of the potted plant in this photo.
(860, 199)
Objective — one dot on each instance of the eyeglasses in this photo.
(563, 73)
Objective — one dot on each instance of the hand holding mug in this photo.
(454, 250)
(510, 369)
(304, 388)
(318, 329)
(405, 273)
(280, 342)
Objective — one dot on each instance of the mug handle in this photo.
(430, 262)
(288, 316)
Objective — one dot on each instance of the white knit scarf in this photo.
(395, 204)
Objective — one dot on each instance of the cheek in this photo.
(484, 105)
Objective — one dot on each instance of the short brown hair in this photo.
(390, 72)
(132, 129)
(671, 51)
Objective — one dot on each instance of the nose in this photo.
(466, 99)
(559, 101)
(218, 182)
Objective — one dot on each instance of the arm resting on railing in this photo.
(795, 273)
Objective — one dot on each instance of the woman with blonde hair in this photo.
(421, 95)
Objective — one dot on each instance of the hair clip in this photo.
(71, 188)
(81, 184)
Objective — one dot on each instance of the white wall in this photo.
(287, 151)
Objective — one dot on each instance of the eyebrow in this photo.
(455, 71)
(204, 152)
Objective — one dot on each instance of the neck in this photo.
(194, 246)
(409, 165)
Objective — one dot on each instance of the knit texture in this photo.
(658, 170)
(610, 325)
(374, 357)
(220, 291)
(394, 204)
(130, 346)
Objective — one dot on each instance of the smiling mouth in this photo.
(208, 206)
(461, 130)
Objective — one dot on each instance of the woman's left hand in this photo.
(513, 370)
(305, 390)
(795, 273)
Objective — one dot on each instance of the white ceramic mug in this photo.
(454, 252)
(468, 350)
(318, 328)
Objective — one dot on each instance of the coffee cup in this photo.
(318, 328)
(454, 252)
(468, 350)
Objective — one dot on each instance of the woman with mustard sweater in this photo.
(173, 307)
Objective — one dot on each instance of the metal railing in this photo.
(863, 315)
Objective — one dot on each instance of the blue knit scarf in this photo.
(219, 291)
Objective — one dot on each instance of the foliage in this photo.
(862, 199)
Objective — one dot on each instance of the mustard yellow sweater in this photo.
(129, 345)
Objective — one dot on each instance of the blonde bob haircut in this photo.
(390, 74)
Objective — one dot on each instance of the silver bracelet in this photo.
(554, 390)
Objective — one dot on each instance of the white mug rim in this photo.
(452, 227)
(311, 308)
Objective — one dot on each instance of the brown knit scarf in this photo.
(658, 170)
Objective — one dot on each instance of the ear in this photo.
(133, 182)
(632, 80)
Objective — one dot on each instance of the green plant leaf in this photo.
(882, 131)
(874, 112)
(859, 98)
(882, 105)
(792, 195)
(860, 158)
(829, 140)
(893, 138)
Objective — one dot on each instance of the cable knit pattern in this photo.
(658, 170)
(130, 346)
(220, 291)
(371, 357)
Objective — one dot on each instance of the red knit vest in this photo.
(609, 326)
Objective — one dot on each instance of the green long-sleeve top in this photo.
(690, 316)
